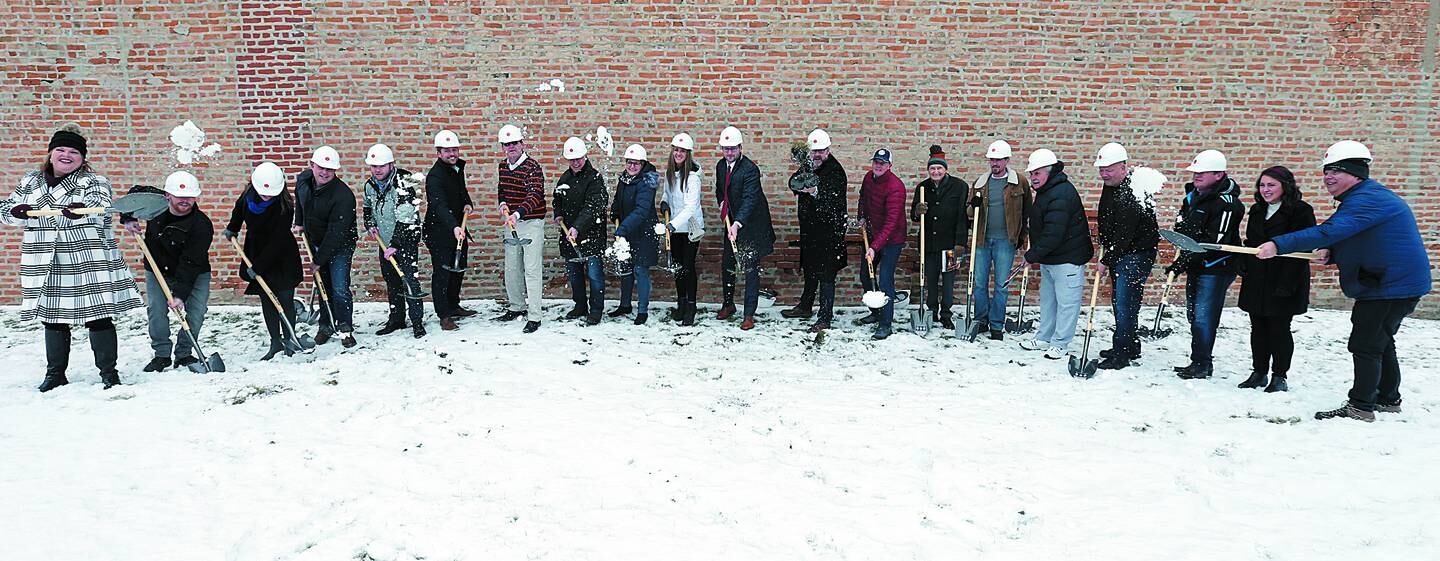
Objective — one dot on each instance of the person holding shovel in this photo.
(1210, 213)
(82, 281)
(266, 211)
(392, 218)
(820, 186)
(445, 236)
(179, 241)
(750, 236)
(943, 208)
(1129, 234)
(325, 219)
(1274, 291)
(1060, 244)
(580, 216)
(1004, 198)
(882, 214)
(685, 221)
(522, 208)
(634, 211)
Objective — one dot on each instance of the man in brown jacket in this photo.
(1002, 197)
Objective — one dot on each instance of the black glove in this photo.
(21, 211)
(664, 207)
(227, 234)
(976, 201)
(66, 212)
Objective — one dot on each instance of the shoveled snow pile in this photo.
(661, 442)
(190, 145)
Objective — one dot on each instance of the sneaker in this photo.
(509, 315)
(419, 331)
(186, 361)
(157, 364)
(798, 312)
(531, 326)
(390, 328)
(1113, 363)
(348, 341)
(621, 311)
(577, 312)
(1346, 410)
(1382, 407)
(1033, 344)
(1055, 353)
(640, 319)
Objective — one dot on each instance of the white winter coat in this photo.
(686, 214)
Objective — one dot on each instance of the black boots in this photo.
(1257, 379)
(687, 313)
(276, 347)
(1272, 384)
(1277, 384)
(57, 359)
(106, 346)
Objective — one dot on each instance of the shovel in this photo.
(459, 247)
(515, 238)
(1081, 366)
(1019, 325)
(873, 299)
(304, 342)
(409, 288)
(663, 231)
(1155, 331)
(921, 322)
(969, 329)
(211, 363)
(143, 206)
(320, 285)
(1186, 243)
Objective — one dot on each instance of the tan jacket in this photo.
(1017, 204)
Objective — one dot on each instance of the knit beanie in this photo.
(937, 156)
(1358, 167)
(69, 137)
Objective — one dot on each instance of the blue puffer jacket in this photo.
(1374, 241)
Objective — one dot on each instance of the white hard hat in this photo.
(998, 149)
(1209, 160)
(1109, 154)
(267, 179)
(182, 184)
(511, 133)
(1345, 150)
(683, 140)
(326, 157)
(1041, 158)
(730, 137)
(635, 152)
(447, 139)
(574, 148)
(818, 140)
(379, 155)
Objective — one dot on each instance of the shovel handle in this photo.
(160, 279)
(1255, 250)
(58, 212)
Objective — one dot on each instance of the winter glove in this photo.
(920, 209)
(67, 211)
(132, 226)
(388, 253)
(664, 207)
(976, 201)
(669, 227)
(227, 234)
(247, 273)
(21, 211)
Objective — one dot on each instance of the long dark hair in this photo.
(684, 169)
(1289, 190)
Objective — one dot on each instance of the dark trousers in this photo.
(1271, 343)
(445, 284)
(752, 280)
(939, 285)
(824, 285)
(684, 251)
(1373, 324)
(587, 272)
(407, 252)
(273, 325)
(336, 276)
(886, 259)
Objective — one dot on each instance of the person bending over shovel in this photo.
(266, 210)
(392, 218)
(179, 240)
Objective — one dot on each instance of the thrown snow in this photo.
(604, 141)
(555, 84)
(660, 229)
(661, 442)
(619, 250)
(874, 299)
(189, 141)
(1144, 184)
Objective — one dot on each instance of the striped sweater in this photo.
(523, 188)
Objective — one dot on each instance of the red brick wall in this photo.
(1271, 82)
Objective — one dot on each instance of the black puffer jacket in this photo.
(822, 218)
(1059, 231)
(1280, 286)
(1210, 217)
(327, 212)
(580, 200)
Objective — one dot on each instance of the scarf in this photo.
(256, 205)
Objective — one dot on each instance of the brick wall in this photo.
(1268, 82)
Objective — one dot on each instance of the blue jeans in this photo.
(886, 259)
(593, 270)
(1204, 299)
(1127, 281)
(336, 276)
(993, 258)
(641, 278)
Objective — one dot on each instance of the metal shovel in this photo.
(143, 206)
(211, 363)
(1019, 324)
(1186, 243)
(1080, 365)
(968, 329)
(459, 248)
(515, 238)
(411, 285)
(305, 343)
(1155, 331)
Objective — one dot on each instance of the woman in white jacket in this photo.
(685, 221)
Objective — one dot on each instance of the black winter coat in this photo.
(634, 209)
(1213, 217)
(1279, 286)
(446, 199)
(181, 248)
(1059, 231)
(744, 201)
(822, 217)
(1126, 225)
(946, 221)
(327, 212)
(580, 201)
(268, 242)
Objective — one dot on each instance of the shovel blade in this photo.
(214, 363)
(1182, 241)
(1083, 368)
(920, 321)
(1019, 327)
(1148, 333)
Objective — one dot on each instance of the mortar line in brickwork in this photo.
(1432, 41)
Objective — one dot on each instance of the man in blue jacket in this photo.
(1373, 239)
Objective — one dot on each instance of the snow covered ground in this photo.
(661, 442)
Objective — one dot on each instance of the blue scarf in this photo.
(258, 206)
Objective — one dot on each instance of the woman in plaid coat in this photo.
(71, 271)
